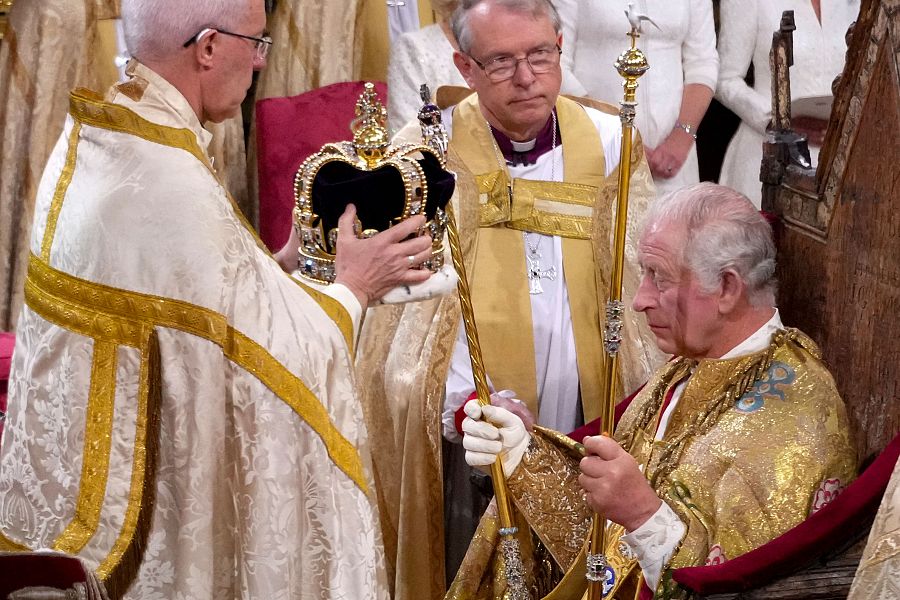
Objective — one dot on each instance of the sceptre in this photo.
(631, 64)
(434, 135)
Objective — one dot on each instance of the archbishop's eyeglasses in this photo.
(261, 44)
(542, 60)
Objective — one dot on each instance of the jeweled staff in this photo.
(434, 135)
(631, 64)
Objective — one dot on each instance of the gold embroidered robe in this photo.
(404, 357)
(182, 414)
(754, 444)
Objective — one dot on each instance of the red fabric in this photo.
(29, 570)
(594, 427)
(803, 544)
(646, 592)
(460, 415)
(7, 341)
(288, 130)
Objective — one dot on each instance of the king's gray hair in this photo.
(459, 22)
(155, 29)
(722, 230)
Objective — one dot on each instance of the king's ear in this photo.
(732, 291)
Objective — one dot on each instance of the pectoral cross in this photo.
(536, 273)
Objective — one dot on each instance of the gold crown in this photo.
(367, 164)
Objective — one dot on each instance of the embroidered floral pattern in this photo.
(716, 556)
(770, 385)
(828, 491)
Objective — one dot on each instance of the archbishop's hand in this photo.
(503, 434)
(614, 485)
(372, 267)
(507, 399)
(289, 255)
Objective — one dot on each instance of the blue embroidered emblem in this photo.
(778, 376)
(609, 581)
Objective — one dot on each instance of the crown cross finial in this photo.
(370, 136)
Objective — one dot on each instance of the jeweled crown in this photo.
(387, 183)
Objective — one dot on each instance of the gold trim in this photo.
(97, 443)
(7, 545)
(548, 207)
(109, 313)
(121, 565)
(88, 108)
(62, 185)
(291, 389)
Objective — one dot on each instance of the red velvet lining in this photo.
(805, 543)
(287, 131)
(594, 427)
(29, 570)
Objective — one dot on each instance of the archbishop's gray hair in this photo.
(723, 230)
(459, 22)
(155, 29)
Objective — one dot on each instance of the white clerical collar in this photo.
(758, 340)
(160, 91)
(523, 146)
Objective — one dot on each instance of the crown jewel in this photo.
(387, 182)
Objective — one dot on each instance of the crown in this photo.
(387, 184)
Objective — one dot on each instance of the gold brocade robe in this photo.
(755, 445)
(403, 360)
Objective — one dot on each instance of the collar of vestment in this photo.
(154, 98)
(562, 208)
(527, 153)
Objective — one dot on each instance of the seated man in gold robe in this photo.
(731, 443)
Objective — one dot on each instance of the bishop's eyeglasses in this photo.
(261, 44)
(501, 68)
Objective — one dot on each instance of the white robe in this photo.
(681, 52)
(263, 479)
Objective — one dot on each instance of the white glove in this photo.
(505, 435)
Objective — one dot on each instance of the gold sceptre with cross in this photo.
(631, 64)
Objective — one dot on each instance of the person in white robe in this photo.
(672, 96)
(183, 415)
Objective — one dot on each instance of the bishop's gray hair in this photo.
(723, 230)
(459, 22)
(155, 29)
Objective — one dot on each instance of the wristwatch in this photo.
(687, 128)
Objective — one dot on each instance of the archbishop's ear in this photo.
(465, 65)
(206, 47)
